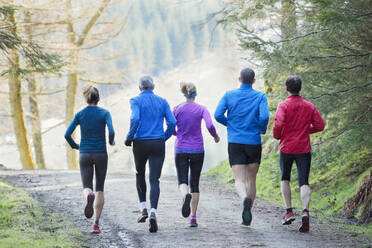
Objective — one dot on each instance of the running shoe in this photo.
(89, 210)
(96, 228)
(288, 218)
(186, 205)
(305, 225)
(247, 215)
(193, 222)
(144, 215)
(153, 227)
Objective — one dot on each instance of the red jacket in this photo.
(295, 120)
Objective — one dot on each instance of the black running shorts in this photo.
(93, 163)
(303, 162)
(244, 154)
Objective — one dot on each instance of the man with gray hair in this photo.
(148, 137)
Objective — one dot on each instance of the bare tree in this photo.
(15, 101)
(34, 106)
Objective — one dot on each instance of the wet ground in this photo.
(219, 215)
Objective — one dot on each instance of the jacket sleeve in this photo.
(279, 121)
(317, 123)
(174, 114)
(110, 128)
(208, 123)
(70, 130)
(219, 114)
(134, 119)
(264, 114)
(170, 121)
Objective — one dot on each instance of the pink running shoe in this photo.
(96, 228)
(305, 225)
(288, 218)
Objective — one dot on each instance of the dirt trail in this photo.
(218, 217)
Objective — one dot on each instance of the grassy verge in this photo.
(23, 223)
(332, 184)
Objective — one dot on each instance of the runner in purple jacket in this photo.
(189, 148)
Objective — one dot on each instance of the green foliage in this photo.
(36, 59)
(24, 224)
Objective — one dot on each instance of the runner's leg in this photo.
(286, 161)
(196, 165)
(303, 162)
(100, 161)
(239, 171)
(251, 173)
(156, 160)
(140, 159)
(182, 166)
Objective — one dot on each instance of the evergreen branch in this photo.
(341, 91)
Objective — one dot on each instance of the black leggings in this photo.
(88, 161)
(154, 152)
(303, 162)
(194, 161)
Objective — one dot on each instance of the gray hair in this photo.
(146, 83)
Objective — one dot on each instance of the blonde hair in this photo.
(91, 94)
(187, 88)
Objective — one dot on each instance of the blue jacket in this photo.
(92, 121)
(147, 119)
(247, 115)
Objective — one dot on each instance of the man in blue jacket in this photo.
(247, 118)
(148, 137)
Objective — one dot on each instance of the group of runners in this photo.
(245, 113)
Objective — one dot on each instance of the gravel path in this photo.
(218, 216)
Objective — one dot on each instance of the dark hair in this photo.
(247, 76)
(293, 84)
(91, 94)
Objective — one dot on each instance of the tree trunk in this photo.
(15, 101)
(35, 123)
(73, 76)
(34, 109)
(72, 82)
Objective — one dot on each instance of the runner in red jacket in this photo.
(295, 120)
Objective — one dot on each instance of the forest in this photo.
(51, 49)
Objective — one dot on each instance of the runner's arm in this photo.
(279, 121)
(219, 114)
(69, 131)
(110, 129)
(170, 121)
(317, 123)
(174, 114)
(264, 114)
(208, 123)
(134, 120)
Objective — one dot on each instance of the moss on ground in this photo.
(332, 183)
(23, 223)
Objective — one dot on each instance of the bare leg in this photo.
(184, 189)
(286, 193)
(239, 171)
(305, 196)
(194, 203)
(98, 204)
(251, 173)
